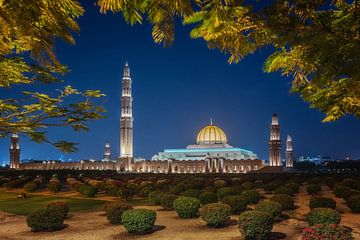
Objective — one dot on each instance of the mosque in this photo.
(211, 152)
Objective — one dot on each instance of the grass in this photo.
(8, 203)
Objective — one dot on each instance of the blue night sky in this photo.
(176, 90)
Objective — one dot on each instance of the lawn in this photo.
(8, 203)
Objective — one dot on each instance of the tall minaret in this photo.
(126, 119)
(275, 142)
(107, 152)
(289, 152)
(14, 152)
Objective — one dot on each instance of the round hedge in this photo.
(225, 191)
(353, 203)
(114, 212)
(327, 231)
(61, 206)
(208, 197)
(255, 225)
(322, 202)
(47, 220)
(215, 214)
(313, 188)
(87, 190)
(284, 190)
(155, 197)
(273, 208)
(342, 191)
(167, 201)
(195, 193)
(186, 207)
(323, 216)
(139, 220)
(286, 201)
(236, 202)
(251, 196)
(54, 187)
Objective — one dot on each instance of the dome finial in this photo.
(211, 121)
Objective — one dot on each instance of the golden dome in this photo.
(211, 134)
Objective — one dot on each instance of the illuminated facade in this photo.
(211, 142)
(14, 151)
(289, 152)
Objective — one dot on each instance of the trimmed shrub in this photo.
(330, 182)
(155, 197)
(47, 219)
(326, 231)
(87, 190)
(144, 192)
(322, 202)
(31, 187)
(236, 202)
(195, 193)
(255, 225)
(186, 207)
(251, 196)
(247, 185)
(215, 214)
(225, 191)
(125, 193)
(313, 188)
(167, 201)
(273, 208)
(219, 183)
(293, 186)
(208, 197)
(111, 190)
(284, 190)
(139, 220)
(342, 191)
(323, 216)
(115, 210)
(353, 202)
(54, 187)
(61, 206)
(286, 201)
(270, 186)
(351, 183)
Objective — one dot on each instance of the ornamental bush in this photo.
(353, 202)
(167, 201)
(270, 186)
(186, 207)
(61, 206)
(87, 190)
(225, 191)
(54, 187)
(247, 185)
(342, 191)
(195, 193)
(323, 216)
(31, 187)
(139, 220)
(284, 190)
(237, 203)
(219, 183)
(286, 201)
(255, 225)
(208, 197)
(273, 208)
(326, 231)
(115, 210)
(215, 214)
(47, 219)
(322, 202)
(155, 197)
(251, 196)
(313, 188)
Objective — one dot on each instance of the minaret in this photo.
(107, 152)
(126, 119)
(14, 152)
(275, 142)
(289, 152)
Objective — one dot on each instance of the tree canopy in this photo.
(28, 30)
(316, 42)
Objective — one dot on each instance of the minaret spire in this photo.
(126, 120)
(14, 151)
(289, 152)
(275, 142)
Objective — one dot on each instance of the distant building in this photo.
(14, 151)
(317, 160)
